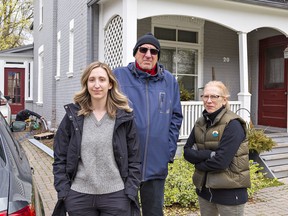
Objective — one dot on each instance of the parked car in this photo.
(5, 108)
(18, 194)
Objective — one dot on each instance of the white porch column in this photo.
(244, 96)
(129, 29)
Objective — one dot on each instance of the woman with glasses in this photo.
(155, 96)
(218, 148)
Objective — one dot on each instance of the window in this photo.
(183, 64)
(71, 48)
(180, 55)
(40, 74)
(57, 77)
(176, 35)
(274, 72)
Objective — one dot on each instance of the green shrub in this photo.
(259, 141)
(180, 190)
(185, 95)
(258, 179)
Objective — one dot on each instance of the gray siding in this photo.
(221, 42)
(57, 17)
(45, 36)
(143, 26)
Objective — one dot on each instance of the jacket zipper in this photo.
(147, 134)
(211, 195)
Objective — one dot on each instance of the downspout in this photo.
(286, 68)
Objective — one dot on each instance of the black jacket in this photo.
(25, 114)
(67, 148)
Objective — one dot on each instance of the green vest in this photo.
(237, 175)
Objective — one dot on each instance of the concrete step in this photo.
(280, 148)
(275, 159)
(275, 162)
(284, 180)
(280, 171)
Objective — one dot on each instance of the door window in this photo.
(274, 73)
(14, 86)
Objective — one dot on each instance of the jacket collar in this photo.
(143, 75)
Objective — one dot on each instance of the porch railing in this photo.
(192, 110)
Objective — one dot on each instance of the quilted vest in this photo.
(237, 175)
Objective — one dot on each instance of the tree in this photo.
(15, 21)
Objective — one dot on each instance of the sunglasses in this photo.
(144, 50)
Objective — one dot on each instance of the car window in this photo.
(2, 155)
(6, 132)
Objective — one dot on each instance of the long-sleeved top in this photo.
(25, 114)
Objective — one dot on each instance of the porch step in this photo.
(280, 148)
(280, 171)
(275, 162)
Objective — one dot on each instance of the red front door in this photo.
(15, 88)
(272, 82)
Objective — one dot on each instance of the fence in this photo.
(192, 110)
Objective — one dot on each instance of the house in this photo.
(16, 72)
(241, 43)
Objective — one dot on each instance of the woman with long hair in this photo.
(96, 150)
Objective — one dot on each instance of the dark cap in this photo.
(147, 39)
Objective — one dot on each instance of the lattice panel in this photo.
(113, 43)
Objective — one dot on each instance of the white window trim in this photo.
(40, 14)
(40, 75)
(29, 66)
(57, 77)
(71, 49)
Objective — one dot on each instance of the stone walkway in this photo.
(42, 167)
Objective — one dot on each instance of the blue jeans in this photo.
(152, 197)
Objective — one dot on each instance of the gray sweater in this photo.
(97, 171)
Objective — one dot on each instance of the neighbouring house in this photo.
(241, 43)
(16, 75)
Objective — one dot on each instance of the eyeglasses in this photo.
(144, 50)
(213, 98)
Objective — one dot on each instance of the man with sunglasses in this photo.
(155, 97)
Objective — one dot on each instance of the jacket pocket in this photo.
(228, 180)
(164, 104)
(198, 179)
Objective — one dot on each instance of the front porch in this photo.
(192, 110)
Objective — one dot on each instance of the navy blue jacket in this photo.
(67, 148)
(157, 108)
